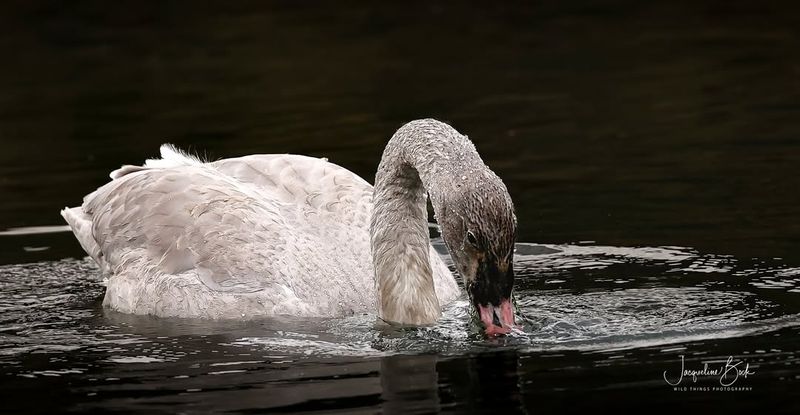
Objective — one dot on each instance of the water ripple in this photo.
(570, 297)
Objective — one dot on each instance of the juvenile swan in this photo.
(285, 234)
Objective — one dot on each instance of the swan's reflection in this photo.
(471, 384)
(409, 384)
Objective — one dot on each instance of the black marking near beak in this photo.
(490, 293)
(493, 282)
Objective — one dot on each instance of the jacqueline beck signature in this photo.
(728, 373)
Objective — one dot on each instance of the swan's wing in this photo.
(331, 209)
(323, 191)
(241, 225)
(168, 221)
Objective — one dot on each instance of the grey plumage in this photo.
(285, 234)
(430, 157)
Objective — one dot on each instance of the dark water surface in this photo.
(651, 149)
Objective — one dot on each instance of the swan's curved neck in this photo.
(419, 159)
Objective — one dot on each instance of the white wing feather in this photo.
(243, 237)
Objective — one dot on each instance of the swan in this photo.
(281, 234)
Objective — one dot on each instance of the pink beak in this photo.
(505, 315)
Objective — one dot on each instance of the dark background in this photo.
(622, 122)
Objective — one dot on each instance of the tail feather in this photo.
(81, 225)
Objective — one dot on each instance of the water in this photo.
(650, 150)
(596, 318)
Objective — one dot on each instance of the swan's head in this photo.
(479, 227)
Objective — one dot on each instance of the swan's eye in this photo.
(472, 239)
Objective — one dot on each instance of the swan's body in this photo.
(241, 237)
(272, 234)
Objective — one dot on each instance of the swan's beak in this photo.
(491, 294)
(498, 320)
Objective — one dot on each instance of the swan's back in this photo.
(244, 237)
